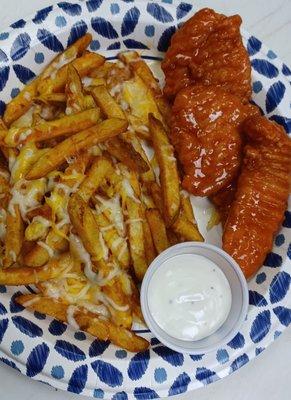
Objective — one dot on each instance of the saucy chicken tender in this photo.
(208, 50)
(206, 126)
(261, 196)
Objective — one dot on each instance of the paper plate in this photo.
(52, 352)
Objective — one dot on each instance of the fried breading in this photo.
(261, 196)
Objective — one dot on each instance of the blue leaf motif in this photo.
(283, 314)
(239, 362)
(98, 347)
(274, 96)
(183, 9)
(57, 328)
(49, 40)
(2, 107)
(180, 384)
(134, 44)
(165, 39)
(78, 29)
(206, 376)
(69, 351)
(27, 327)
(222, 356)
(93, 5)
(24, 74)
(120, 396)
(279, 286)
(107, 373)
(259, 350)
(237, 342)
(114, 46)
(286, 70)
(159, 12)
(18, 24)
(3, 56)
(257, 299)
(260, 326)
(254, 45)
(20, 46)
(265, 68)
(37, 359)
(104, 28)
(78, 379)
(2, 309)
(42, 14)
(9, 363)
(70, 9)
(273, 260)
(171, 356)
(196, 357)
(130, 21)
(138, 365)
(287, 221)
(144, 393)
(283, 121)
(15, 307)
(3, 328)
(4, 74)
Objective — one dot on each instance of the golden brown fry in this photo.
(74, 90)
(155, 191)
(54, 157)
(55, 83)
(148, 239)
(15, 276)
(100, 168)
(67, 125)
(14, 237)
(186, 229)
(158, 229)
(55, 308)
(84, 222)
(168, 170)
(172, 237)
(51, 98)
(106, 103)
(140, 68)
(125, 152)
(187, 209)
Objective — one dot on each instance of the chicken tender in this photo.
(261, 196)
(208, 50)
(206, 127)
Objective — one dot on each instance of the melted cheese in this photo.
(45, 246)
(116, 215)
(71, 310)
(109, 302)
(81, 253)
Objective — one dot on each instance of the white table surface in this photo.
(269, 375)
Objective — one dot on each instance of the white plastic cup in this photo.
(239, 292)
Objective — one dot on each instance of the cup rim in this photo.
(153, 326)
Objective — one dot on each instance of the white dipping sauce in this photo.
(189, 297)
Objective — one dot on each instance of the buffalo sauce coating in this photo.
(206, 135)
(208, 50)
(261, 196)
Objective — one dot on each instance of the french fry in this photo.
(186, 229)
(15, 276)
(51, 98)
(172, 237)
(55, 83)
(168, 170)
(55, 308)
(106, 103)
(54, 157)
(74, 90)
(141, 69)
(100, 168)
(155, 191)
(158, 229)
(125, 152)
(23, 101)
(67, 125)
(187, 208)
(14, 237)
(148, 239)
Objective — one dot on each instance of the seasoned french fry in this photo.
(141, 69)
(67, 125)
(74, 90)
(125, 152)
(55, 83)
(158, 229)
(55, 308)
(172, 237)
(100, 168)
(186, 229)
(148, 239)
(168, 170)
(54, 157)
(187, 208)
(23, 101)
(155, 191)
(106, 103)
(14, 237)
(51, 98)
(15, 276)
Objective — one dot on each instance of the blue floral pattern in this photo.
(50, 351)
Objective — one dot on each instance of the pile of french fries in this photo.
(84, 207)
